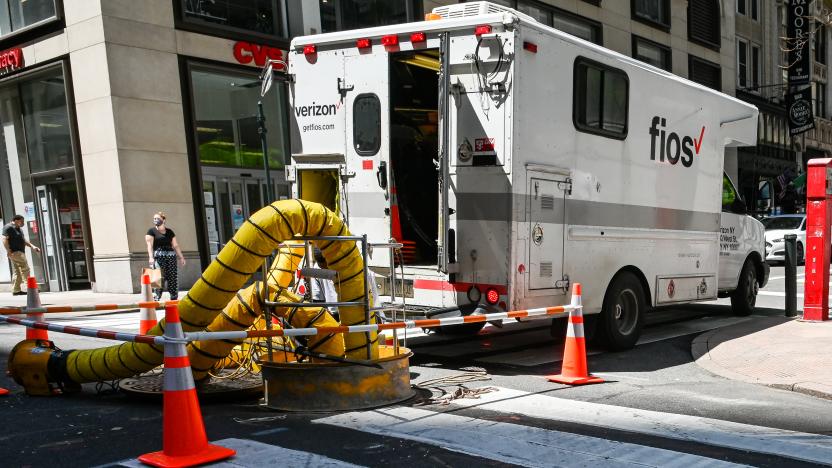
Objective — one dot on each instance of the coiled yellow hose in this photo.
(211, 296)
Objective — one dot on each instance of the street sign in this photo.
(798, 32)
(800, 115)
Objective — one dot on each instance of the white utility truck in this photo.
(513, 159)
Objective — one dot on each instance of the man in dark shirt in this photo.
(15, 244)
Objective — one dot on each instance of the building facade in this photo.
(112, 110)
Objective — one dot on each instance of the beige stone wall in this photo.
(132, 135)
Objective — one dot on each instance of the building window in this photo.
(819, 95)
(577, 26)
(704, 22)
(17, 15)
(255, 17)
(366, 117)
(600, 99)
(225, 118)
(338, 15)
(748, 65)
(652, 53)
(750, 8)
(46, 121)
(705, 72)
(819, 42)
(655, 12)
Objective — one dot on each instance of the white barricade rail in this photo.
(85, 308)
(231, 335)
(91, 332)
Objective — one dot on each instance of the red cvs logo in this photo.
(247, 52)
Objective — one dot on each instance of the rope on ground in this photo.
(445, 397)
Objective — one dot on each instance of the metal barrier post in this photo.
(791, 275)
(366, 295)
(268, 309)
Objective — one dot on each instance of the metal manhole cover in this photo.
(150, 386)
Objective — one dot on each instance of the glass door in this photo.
(47, 211)
(62, 236)
(229, 201)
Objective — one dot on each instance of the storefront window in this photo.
(37, 151)
(257, 16)
(46, 121)
(225, 116)
(19, 14)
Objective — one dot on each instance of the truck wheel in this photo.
(622, 316)
(744, 297)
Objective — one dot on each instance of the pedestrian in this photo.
(163, 250)
(15, 243)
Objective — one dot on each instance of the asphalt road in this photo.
(99, 428)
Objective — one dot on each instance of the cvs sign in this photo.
(11, 60)
(247, 52)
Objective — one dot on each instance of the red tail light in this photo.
(492, 296)
(418, 37)
(390, 40)
(310, 49)
(531, 47)
(363, 43)
(482, 29)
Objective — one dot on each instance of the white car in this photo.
(776, 228)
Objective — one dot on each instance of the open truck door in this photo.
(365, 88)
(340, 148)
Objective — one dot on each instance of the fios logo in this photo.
(672, 145)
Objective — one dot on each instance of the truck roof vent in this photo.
(467, 9)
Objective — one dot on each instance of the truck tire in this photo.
(622, 315)
(744, 298)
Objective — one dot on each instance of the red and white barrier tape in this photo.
(85, 308)
(427, 323)
(232, 335)
(91, 332)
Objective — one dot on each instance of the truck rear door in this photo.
(365, 87)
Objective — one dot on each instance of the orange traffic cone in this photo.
(147, 315)
(184, 440)
(33, 301)
(574, 370)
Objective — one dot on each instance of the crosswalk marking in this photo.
(252, 453)
(512, 443)
(788, 444)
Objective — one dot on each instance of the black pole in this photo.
(791, 274)
(261, 129)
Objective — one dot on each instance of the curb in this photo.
(700, 350)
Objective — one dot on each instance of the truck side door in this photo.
(734, 242)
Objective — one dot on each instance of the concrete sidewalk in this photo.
(774, 351)
(71, 298)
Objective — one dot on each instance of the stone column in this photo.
(132, 133)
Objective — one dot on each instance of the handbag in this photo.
(155, 276)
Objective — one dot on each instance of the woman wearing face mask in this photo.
(162, 250)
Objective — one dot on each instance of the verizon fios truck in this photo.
(513, 160)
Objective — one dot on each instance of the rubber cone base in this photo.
(3, 392)
(564, 379)
(209, 453)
